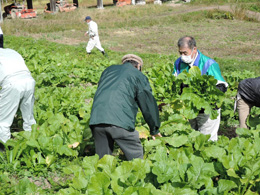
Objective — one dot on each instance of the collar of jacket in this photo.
(196, 63)
(179, 61)
(128, 64)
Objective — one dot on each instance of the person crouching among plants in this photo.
(17, 90)
(121, 90)
(248, 95)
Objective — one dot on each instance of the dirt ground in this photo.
(137, 29)
(250, 14)
(229, 132)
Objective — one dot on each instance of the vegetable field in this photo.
(58, 156)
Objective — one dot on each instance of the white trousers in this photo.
(18, 91)
(94, 42)
(206, 126)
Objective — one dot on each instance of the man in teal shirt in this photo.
(191, 56)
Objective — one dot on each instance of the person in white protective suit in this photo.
(17, 90)
(93, 36)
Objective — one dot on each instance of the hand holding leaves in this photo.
(157, 135)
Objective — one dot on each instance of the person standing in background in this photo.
(93, 36)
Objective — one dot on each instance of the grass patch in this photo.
(40, 4)
(150, 29)
(150, 59)
(254, 7)
(221, 1)
(218, 14)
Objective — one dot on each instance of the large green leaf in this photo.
(231, 172)
(200, 141)
(89, 164)
(225, 185)
(107, 164)
(200, 173)
(25, 186)
(79, 181)
(253, 121)
(70, 191)
(99, 184)
(175, 190)
(195, 71)
(164, 171)
(214, 152)
(177, 141)
(244, 132)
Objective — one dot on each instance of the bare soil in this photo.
(250, 14)
(229, 132)
(150, 29)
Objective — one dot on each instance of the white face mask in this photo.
(187, 59)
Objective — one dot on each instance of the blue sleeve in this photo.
(175, 66)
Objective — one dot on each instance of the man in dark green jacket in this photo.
(121, 90)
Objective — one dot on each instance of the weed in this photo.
(222, 1)
(150, 29)
(254, 7)
(218, 14)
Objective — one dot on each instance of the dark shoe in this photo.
(2, 148)
(104, 53)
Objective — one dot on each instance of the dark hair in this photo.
(187, 41)
(134, 63)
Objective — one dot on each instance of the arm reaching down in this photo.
(149, 109)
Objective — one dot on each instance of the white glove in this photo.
(92, 34)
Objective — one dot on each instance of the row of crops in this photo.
(58, 155)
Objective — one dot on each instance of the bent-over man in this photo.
(121, 90)
(191, 56)
(17, 91)
(248, 95)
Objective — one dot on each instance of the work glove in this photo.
(160, 106)
(183, 86)
(221, 87)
